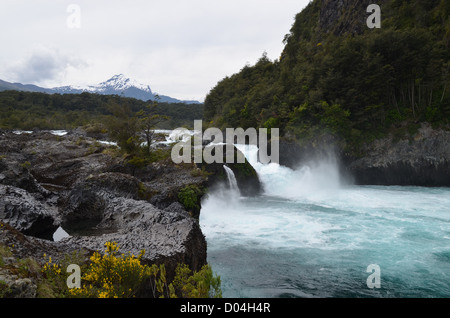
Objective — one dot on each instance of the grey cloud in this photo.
(44, 65)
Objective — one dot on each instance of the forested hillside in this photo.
(337, 76)
(25, 110)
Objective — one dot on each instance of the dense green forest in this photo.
(28, 111)
(336, 76)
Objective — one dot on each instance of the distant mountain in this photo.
(116, 85)
(5, 86)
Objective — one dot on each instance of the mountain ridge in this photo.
(117, 85)
(336, 75)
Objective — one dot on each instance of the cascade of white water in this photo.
(317, 178)
(232, 182)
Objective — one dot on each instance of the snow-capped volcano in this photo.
(119, 83)
(116, 85)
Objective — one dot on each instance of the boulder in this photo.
(246, 176)
(167, 237)
(15, 173)
(163, 190)
(30, 216)
(108, 208)
(84, 206)
(15, 287)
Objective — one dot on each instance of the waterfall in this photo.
(231, 179)
(318, 178)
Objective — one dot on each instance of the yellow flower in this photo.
(103, 295)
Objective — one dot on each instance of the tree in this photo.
(148, 120)
(123, 127)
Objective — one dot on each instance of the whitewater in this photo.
(314, 234)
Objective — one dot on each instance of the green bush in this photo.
(202, 284)
(190, 197)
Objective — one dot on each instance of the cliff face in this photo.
(418, 159)
(421, 160)
(344, 16)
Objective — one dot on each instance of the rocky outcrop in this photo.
(28, 215)
(83, 186)
(56, 162)
(47, 181)
(345, 16)
(24, 246)
(246, 176)
(85, 205)
(168, 180)
(15, 173)
(107, 207)
(421, 160)
(167, 237)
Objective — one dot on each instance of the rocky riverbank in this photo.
(421, 158)
(88, 188)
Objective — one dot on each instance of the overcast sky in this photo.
(181, 48)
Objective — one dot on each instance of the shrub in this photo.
(122, 276)
(186, 284)
(190, 196)
(200, 284)
(113, 276)
(53, 283)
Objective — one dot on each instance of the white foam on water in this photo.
(59, 132)
(228, 220)
(309, 217)
(314, 180)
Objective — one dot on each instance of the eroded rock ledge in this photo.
(48, 181)
(421, 160)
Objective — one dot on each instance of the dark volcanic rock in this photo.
(163, 189)
(23, 246)
(68, 172)
(48, 180)
(108, 207)
(246, 176)
(345, 16)
(15, 173)
(61, 161)
(423, 160)
(167, 237)
(21, 210)
(419, 160)
(84, 206)
(420, 173)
